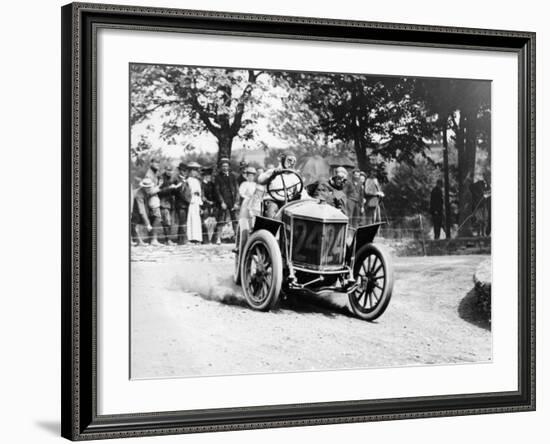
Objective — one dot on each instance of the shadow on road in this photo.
(224, 291)
(469, 310)
(309, 303)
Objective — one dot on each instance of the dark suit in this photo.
(182, 197)
(166, 195)
(227, 192)
(353, 191)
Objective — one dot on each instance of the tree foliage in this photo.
(223, 102)
(387, 123)
(462, 107)
(378, 115)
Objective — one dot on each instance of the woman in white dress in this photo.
(194, 223)
(246, 191)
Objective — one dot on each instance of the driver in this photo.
(286, 162)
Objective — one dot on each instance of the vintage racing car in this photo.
(309, 246)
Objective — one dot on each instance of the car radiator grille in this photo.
(318, 245)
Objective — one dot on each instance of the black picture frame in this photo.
(79, 172)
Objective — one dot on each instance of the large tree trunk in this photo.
(466, 145)
(360, 149)
(225, 142)
(358, 130)
(446, 180)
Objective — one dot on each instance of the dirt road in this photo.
(188, 319)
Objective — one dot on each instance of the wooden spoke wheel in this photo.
(373, 272)
(262, 271)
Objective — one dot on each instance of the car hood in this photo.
(315, 210)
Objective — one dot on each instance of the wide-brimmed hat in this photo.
(250, 170)
(194, 166)
(146, 183)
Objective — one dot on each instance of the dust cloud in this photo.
(211, 281)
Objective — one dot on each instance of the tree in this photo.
(472, 101)
(377, 115)
(408, 190)
(196, 100)
(461, 110)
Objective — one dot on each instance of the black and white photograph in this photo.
(294, 221)
(275, 222)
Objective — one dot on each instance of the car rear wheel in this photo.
(373, 272)
(262, 271)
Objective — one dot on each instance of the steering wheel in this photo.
(282, 189)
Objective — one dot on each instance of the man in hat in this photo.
(208, 205)
(182, 197)
(354, 196)
(153, 172)
(227, 194)
(242, 172)
(373, 196)
(145, 212)
(166, 195)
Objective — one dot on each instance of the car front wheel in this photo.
(262, 271)
(373, 272)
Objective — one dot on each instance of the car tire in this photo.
(262, 271)
(373, 271)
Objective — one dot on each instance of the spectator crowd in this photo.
(191, 204)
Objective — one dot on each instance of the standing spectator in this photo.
(182, 197)
(153, 171)
(208, 205)
(436, 208)
(242, 172)
(146, 211)
(247, 190)
(354, 196)
(255, 202)
(140, 211)
(194, 222)
(153, 203)
(155, 217)
(363, 200)
(166, 195)
(227, 194)
(373, 196)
